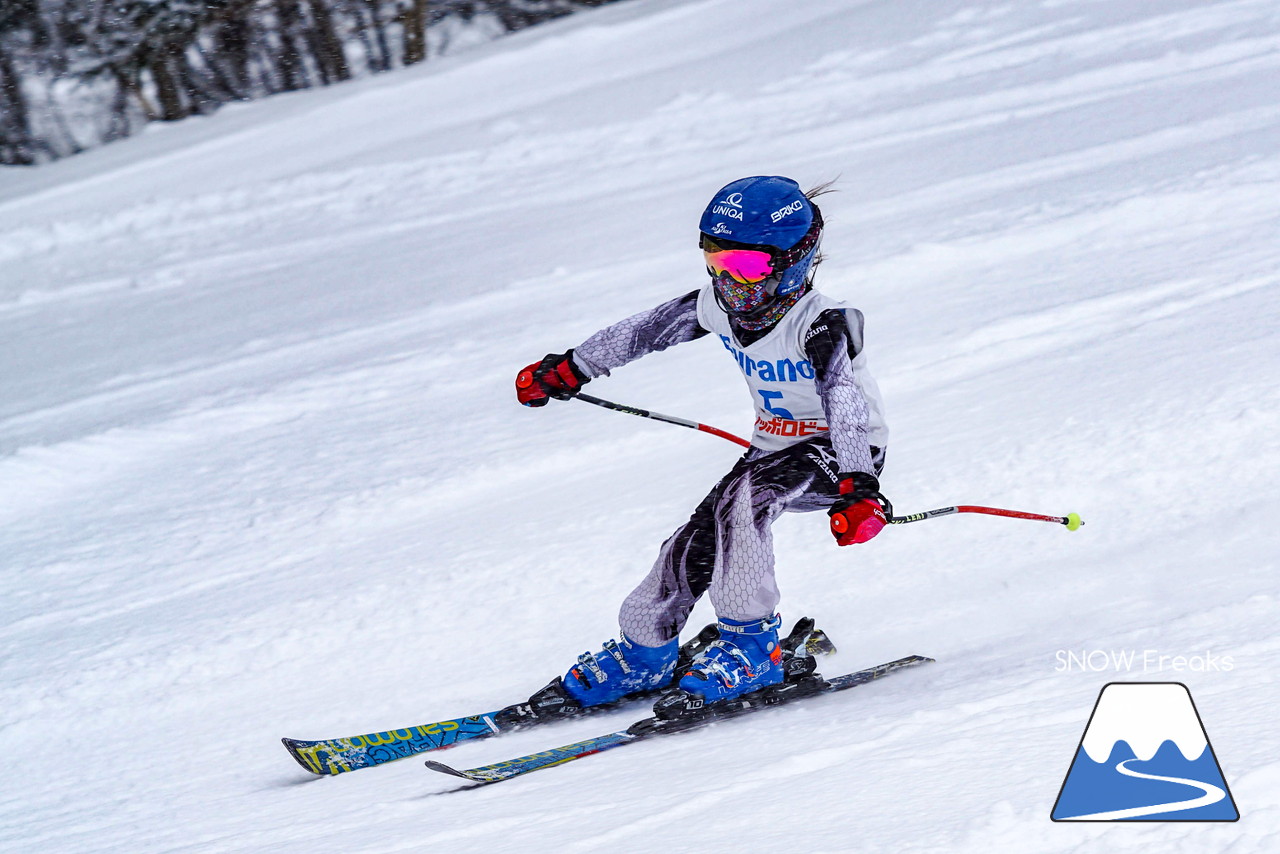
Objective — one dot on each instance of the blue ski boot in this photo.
(582, 689)
(747, 656)
(620, 670)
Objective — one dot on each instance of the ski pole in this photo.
(1072, 521)
(658, 416)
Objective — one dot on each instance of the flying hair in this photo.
(820, 189)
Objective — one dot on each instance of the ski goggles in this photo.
(750, 263)
(744, 266)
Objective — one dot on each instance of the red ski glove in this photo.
(857, 515)
(555, 376)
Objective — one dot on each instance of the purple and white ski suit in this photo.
(818, 413)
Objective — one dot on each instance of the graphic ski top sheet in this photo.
(1145, 756)
(337, 755)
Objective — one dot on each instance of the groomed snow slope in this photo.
(262, 473)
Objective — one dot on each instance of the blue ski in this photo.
(338, 755)
(778, 695)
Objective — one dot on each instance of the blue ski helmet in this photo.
(761, 214)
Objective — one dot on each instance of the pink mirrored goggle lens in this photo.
(747, 266)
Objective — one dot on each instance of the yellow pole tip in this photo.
(1074, 522)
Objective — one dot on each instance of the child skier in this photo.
(818, 443)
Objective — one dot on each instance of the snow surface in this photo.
(262, 473)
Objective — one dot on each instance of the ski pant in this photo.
(726, 547)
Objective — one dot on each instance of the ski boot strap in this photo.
(755, 627)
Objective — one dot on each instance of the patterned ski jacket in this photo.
(807, 374)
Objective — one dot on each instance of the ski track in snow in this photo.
(261, 475)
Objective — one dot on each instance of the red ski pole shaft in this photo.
(1072, 521)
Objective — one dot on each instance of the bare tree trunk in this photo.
(16, 145)
(161, 63)
(358, 11)
(415, 32)
(267, 78)
(129, 84)
(231, 56)
(292, 72)
(204, 87)
(380, 35)
(326, 44)
(118, 125)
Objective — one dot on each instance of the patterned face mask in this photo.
(742, 299)
(768, 313)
